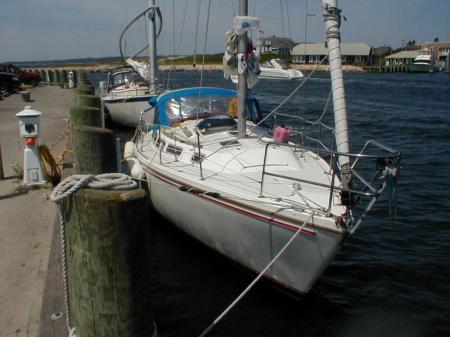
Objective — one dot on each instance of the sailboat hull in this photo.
(127, 111)
(246, 237)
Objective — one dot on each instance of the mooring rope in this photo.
(261, 274)
(107, 181)
(49, 165)
(69, 186)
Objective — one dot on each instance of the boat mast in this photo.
(152, 62)
(332, 18)
(242, 71)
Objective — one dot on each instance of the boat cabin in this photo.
(277, 64)
(124, 77)
(213, 106)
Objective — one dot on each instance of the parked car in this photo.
(28, 77)
(9, 82)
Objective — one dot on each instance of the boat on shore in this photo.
(277, 207)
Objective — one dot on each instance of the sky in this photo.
(33, 30)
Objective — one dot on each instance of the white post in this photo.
(153, 66)
(242, 72)
(29, 126)
(332, 18)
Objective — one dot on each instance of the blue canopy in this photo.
(170, 103)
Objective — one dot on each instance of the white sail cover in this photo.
(332, 18)
(141, 68)
(230, 61)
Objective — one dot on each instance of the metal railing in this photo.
(387, 164)
(371, 169)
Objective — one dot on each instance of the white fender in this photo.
(129, 150)
(136, 170)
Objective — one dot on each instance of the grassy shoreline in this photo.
(98, 67)
(185, 63)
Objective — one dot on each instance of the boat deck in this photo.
(234, 169)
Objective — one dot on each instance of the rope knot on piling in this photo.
(69, 186)
(106, 181)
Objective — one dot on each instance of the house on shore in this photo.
(281, 46)
(401, 58)
(352, 53)
(441, 52)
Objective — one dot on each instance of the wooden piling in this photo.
(88, 100)
(64, 79)
(75, 77)
(94, 150)
(85, 89)
(50, 76)
(2, 174)
(43, 75)
(107, 247)
(57, 76)
(84, 115)
(108, 261)
(82, 77)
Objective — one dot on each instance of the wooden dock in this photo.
(28, 219)
(52, 320)
(106, 240)
(393, 68)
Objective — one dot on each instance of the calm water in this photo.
(392, 278)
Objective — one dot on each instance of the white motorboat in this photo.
(423, 63)
(126, 96)
(276, 207)
(277, 69)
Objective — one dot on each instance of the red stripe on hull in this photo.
(236, 209)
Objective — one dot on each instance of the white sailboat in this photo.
(219, 174)
(126, 96)
(128, 90)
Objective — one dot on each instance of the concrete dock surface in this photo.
(27, 217)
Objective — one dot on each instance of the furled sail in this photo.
(140, 67)
(232, 63)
